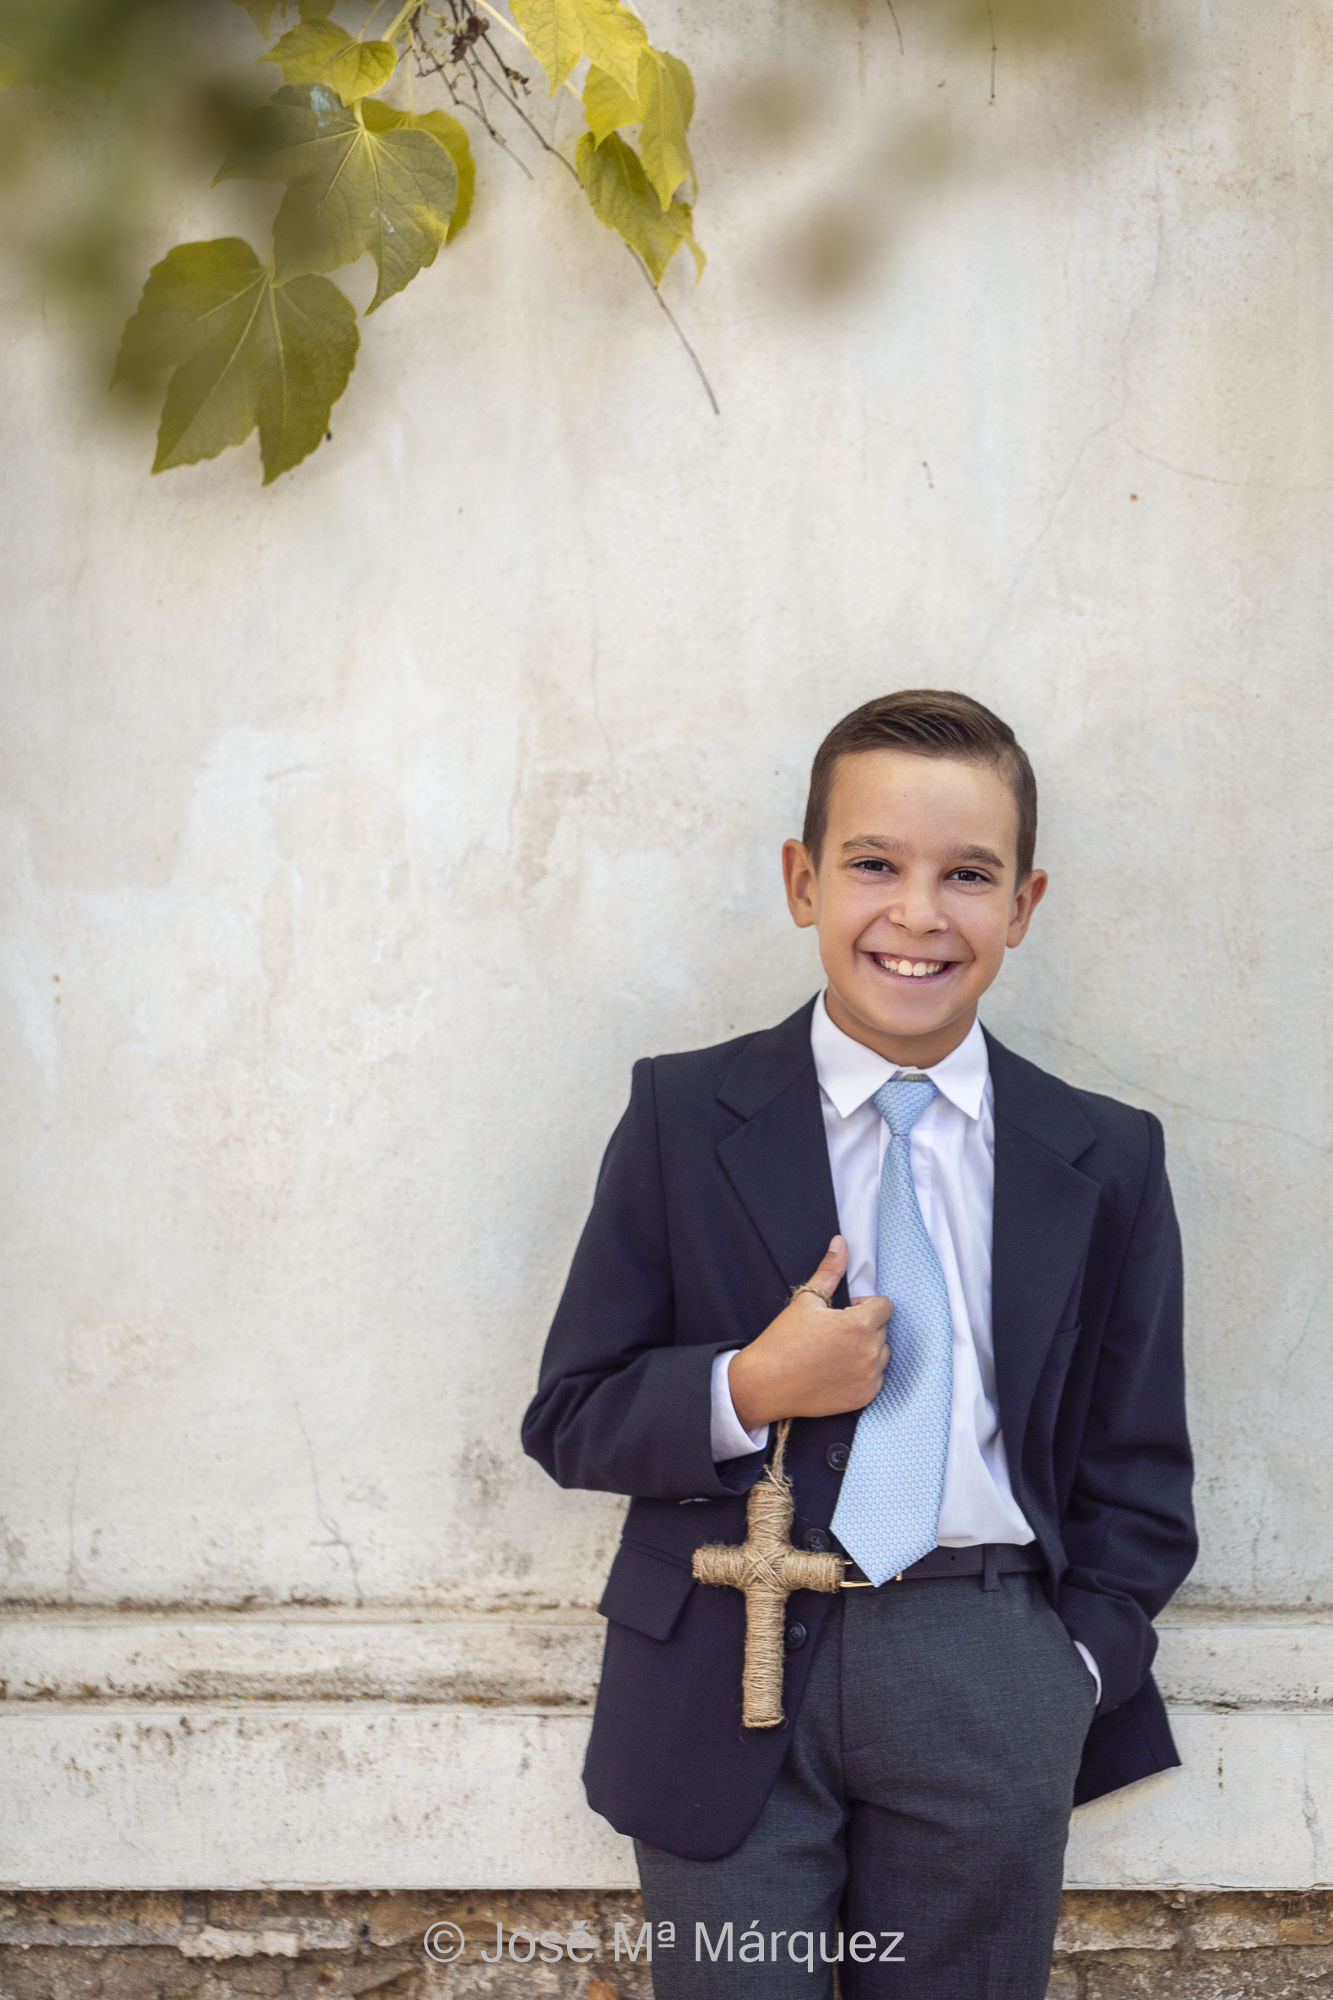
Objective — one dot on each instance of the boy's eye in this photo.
(874, 865)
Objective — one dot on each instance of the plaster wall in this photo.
(356, 834)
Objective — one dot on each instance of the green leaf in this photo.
(244, 352)
(316, 10)
(559, 32)
(452, 137)
(666, 93)
(625, 200)
(662, 105)
(606, 106)
(381, 182)
(319, 52)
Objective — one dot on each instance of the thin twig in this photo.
(680, 331)
(990, 16)
(535, 129)
(893, 16)
(426, 55)
(487, 8)
(471, 111)
(475, 68)
(401, 20)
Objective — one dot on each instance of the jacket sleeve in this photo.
(1129, 1527)
(623, 1404)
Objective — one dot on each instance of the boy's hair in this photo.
(931, 722)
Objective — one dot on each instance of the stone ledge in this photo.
(543, 1660)
(502, 1659)
(341, 1795)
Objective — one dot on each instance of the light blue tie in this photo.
(888, 1511)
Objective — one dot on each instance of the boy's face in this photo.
(918, 868)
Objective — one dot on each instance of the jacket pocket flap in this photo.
(645, 1591)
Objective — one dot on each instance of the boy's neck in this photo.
(904, 1051)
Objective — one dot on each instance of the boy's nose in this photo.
(917, 911)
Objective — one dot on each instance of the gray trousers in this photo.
(915, 1835)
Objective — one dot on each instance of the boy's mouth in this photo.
(913, 968)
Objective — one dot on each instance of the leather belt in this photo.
(986, 1559)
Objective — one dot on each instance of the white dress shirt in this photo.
(953, 1171)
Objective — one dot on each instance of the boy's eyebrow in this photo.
(883, 845)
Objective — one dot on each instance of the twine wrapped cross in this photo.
(767, 1568)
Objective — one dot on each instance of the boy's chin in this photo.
(915, 1023)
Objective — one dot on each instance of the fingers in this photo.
(831, 1267)
(872, 1311)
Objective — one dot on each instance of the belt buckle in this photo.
(863, 1583)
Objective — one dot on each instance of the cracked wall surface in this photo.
(338, 902)
(356, 834)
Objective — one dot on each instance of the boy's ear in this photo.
(1025, 902)
(798, 873)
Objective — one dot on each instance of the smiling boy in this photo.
(960, 1279)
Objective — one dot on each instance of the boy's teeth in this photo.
(910, 969)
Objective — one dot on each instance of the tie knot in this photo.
(900, 1102)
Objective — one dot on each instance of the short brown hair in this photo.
(931, 722)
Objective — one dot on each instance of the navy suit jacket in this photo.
(714, 1198)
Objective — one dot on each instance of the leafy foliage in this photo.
(318, 52)
(245, 352)
(623, 197)
(455, 142)
(365, 178)
(249, 343)
(559, 32)
(666, 96)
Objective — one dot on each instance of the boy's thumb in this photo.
(831, 1268)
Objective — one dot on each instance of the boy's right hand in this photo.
(813, 1360)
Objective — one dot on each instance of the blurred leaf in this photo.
(261, 13)
(559, 32)
(454, 139)
(624, 199)
(380, 182)
(319, 52)
(57, 41)
(666, 93)
(244, 352)
(21, 43)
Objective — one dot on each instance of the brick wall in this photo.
(290, 1946)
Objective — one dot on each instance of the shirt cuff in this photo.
(1088, 1660)
(727, 1434)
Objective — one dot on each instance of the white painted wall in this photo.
(359, 833)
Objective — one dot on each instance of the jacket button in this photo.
(796, 1636)
(836, 1457)
(816, 1539)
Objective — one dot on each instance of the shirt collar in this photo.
(850, 1073)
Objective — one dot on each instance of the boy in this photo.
(960, 1279)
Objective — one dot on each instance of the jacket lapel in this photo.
(1044, 1212)
(777, 1160)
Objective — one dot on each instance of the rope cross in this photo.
(767, 1568)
